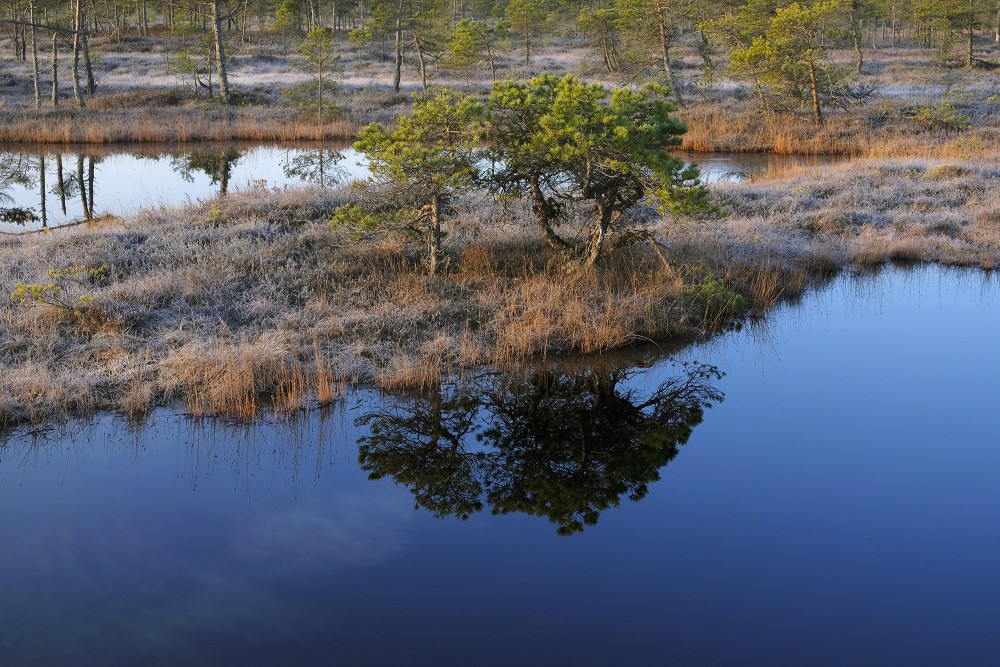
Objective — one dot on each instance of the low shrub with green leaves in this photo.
(720, 303)
(941, 116)
(56, 292)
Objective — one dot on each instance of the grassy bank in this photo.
(711, 128)
(255, 301)
(168, 125)
(873, 131)
(862, 213)
(151, 116)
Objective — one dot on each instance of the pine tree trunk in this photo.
(397, 73)
(665, 55)
(55, 71)
(34, 57)
(859, 58)
(599, 234)
(434, 236)
(491, 58)
(313, 18)
(88, 67)
(817, 111)
(527, 43)
(220, 53)
(77, 27)
(17, 39)
(970, 61)
(544, 215)
(319, 99)
(420, 60)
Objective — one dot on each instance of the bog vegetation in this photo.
(525, 197)
(871, 64)
(557, 142)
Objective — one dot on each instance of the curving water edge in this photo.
(846, 482)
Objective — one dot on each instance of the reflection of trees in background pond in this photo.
(17, 169)
(317, 166)
(217, 165)
(60, 188)
(550, 443)
(78, 183)
(31, 171)
(86, 184)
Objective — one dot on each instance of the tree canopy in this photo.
(432, 154)
(563, 142)
(790, 53)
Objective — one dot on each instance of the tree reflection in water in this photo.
(216, 164)
(16, 169)
(318, 166)
(20, 170)
(549, 443)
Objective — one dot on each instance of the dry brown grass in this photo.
(766, 284)
(177, 125)
(584, 312)
(235, 378)
(265, 306)
(740, 129)
(403, 371)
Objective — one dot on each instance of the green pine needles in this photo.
(584, 156)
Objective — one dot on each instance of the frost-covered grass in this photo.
(861, 212)
(921, 104)
(255, 301)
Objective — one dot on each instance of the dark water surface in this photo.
(840, 506)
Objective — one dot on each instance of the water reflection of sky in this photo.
(128, 180)
(839, 507)
(175, 541)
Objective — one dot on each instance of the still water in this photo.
(50, 189)
(64, 187)
(839, 505)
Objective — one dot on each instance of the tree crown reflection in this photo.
(556, 444)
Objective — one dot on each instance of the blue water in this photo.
(840, 506)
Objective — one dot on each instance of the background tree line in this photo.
(776, 46)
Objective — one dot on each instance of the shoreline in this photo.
(253, 302)
(711, 129)
(157, 127)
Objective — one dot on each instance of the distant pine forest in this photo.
(323, 57)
